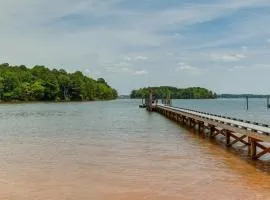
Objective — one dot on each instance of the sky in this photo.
(223, 45)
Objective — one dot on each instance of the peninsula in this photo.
(175, 93)
(19, 83)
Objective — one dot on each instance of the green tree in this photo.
(41, 83)
(65, 86)
(10, 85)
(102, 81)
(25, 91)
(77, 86)
(51, 86)
(37, 91)
(175, 93)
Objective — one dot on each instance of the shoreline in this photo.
(35, 102)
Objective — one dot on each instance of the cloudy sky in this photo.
(223, 45)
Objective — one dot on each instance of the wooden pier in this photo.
(254, 135)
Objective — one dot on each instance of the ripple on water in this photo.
(117, 152)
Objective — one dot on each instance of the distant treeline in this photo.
(18, 83)
(241, 96)
(175, 93)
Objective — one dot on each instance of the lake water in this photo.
(230, 107)
(116, 151)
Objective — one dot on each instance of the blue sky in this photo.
(223, 45)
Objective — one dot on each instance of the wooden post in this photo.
(212, 131)
(192, 123)
(146, 102)
(249, 149)
(168, 100)
(247, 101)
(189, 122)
(253, 149)
(201, 127)
(228, 138)
(150, 100)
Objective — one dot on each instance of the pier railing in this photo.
(253, 134)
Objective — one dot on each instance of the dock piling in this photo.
(247, 101)
(150, 101)
(231, 130)
(228, 138)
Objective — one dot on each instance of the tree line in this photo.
(19, 83)
(175, 93)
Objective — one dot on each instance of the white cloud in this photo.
(227, 58)
(95, 74)
(141, 58)
(122, 64)
(125, 69)
(184, 67)
(87, 71)
(109, 39)
(239, 56)
(127, 58)
(261, 66)
(135, 58)
(140, 72)
(237, 67)
(169, 54)
(244, 48)
(109, 69)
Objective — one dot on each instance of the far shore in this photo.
(35, 102)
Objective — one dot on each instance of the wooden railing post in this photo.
(253, 149)
(228, 137)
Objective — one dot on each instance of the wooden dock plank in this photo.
(250, 130)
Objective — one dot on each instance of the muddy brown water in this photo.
(116, 151)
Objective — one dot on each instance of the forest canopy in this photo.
(175, 93)
(18, 83)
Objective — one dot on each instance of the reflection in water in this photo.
(113, 150)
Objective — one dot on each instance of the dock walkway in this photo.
(255, 135)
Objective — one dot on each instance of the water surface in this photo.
(257, 109)
(114, 150)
